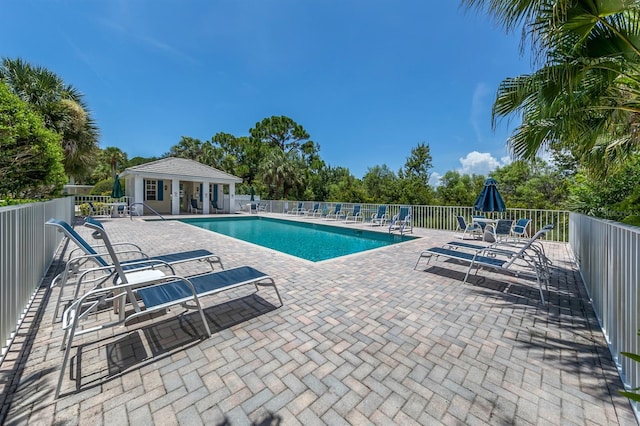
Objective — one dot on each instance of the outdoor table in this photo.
(113, 208)
(489, 229)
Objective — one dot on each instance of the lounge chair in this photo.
(521, 259)
(468, 228)
(320, 212)
(141, 261)
(355, 215)
(298, 210)
(402, 221)
(315, 210)
(193, 206)
(156, 294)
(336, 214)
(504, 244)
(380, 217)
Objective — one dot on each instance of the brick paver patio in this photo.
(362, 339)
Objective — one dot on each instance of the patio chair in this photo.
(97, 211)
(355, 215)
(103, 259)
(471, 228)
(257, 208)
(215, 208)
(193, 206)
(521, 228)
(336, 214)
(122, 210)
(402, 221)
(380, 217)
(521, 259)
(500, 231)
(477, 219)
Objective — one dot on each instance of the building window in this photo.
(150, 190)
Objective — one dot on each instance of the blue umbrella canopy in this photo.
(490, 199)
(116, 192)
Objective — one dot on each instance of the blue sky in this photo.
(368, 80)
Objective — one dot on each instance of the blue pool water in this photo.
(311, 241)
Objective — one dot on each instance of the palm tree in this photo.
(273, 170)
(280, 170)
(584, 98)
(295, 173)
(116, 159)
(62, 108)
(188, 147)
(110, 161)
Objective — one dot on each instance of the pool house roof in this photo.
(180, 168)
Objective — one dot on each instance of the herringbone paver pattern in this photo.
(363, 339)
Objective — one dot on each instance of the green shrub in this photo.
(85, 210)
(17, 201)
(31, 159)
(102, 187)
(632, 220)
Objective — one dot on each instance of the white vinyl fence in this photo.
(27, 249)
(608, 255)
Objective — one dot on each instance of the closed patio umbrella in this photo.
(490, 199)
(116, 192)
(253, 193)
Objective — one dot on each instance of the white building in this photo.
(168, 186)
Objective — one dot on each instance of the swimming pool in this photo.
(307, 240)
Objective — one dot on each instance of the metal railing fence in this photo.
(444, 217)
(608, 255)
(100, 202)
(27, 249)
(81, 199)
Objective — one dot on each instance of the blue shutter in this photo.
(200, 192)
(160, 188)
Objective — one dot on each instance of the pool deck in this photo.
(362, 339)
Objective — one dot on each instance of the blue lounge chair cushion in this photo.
(203, 285)
(173, 258)
(456, 254)
(466, 245)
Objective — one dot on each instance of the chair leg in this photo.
(65, 359)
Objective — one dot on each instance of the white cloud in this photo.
(505, 160)
(434, 179)
(481, 163)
